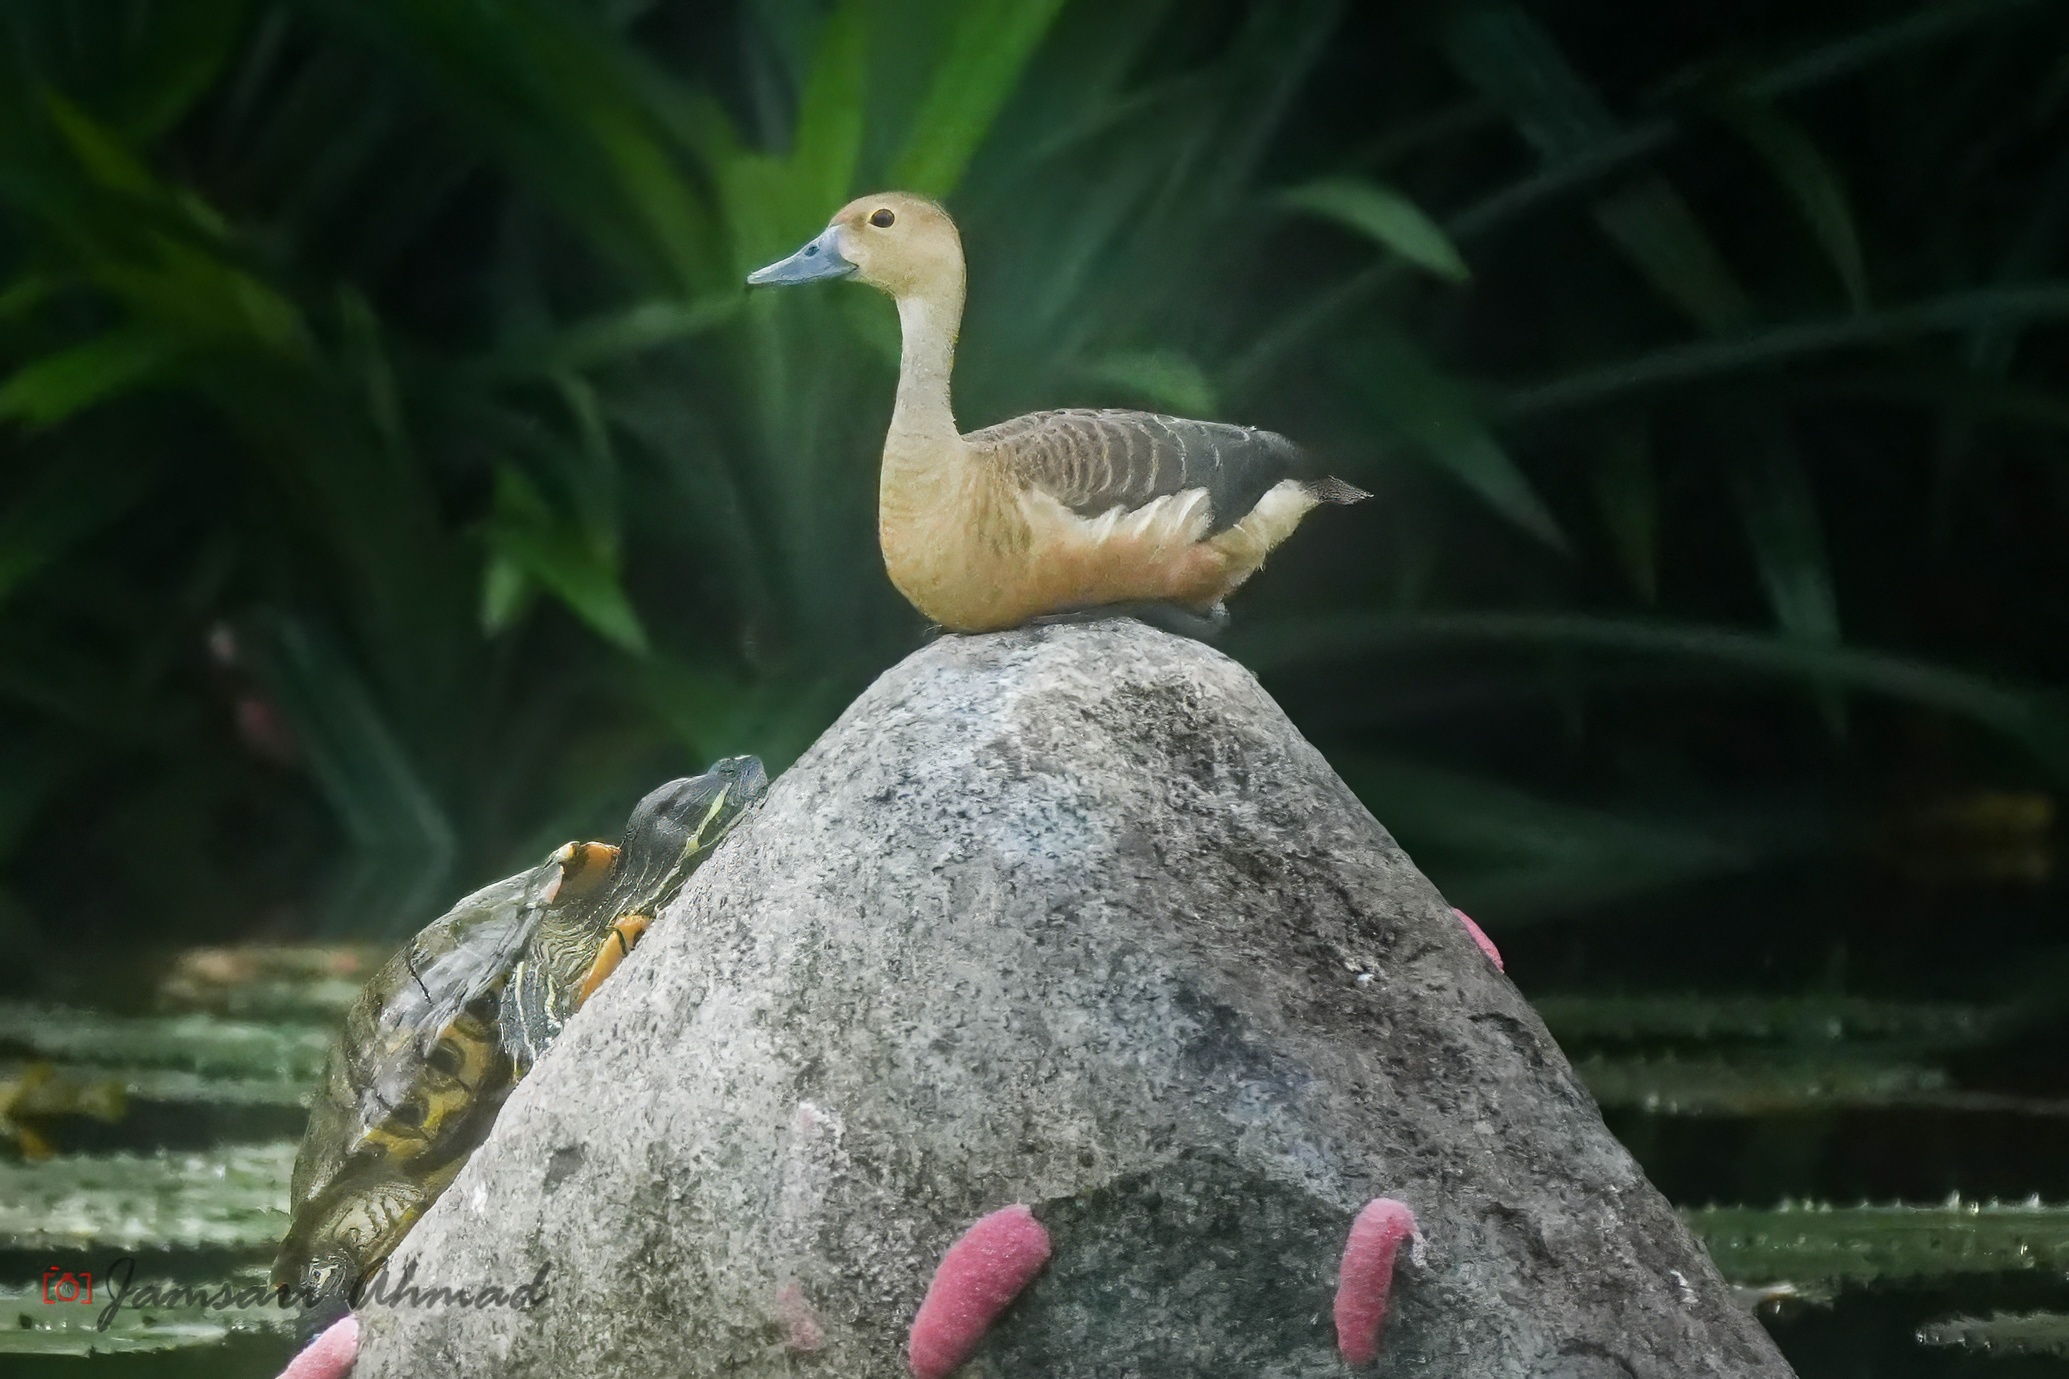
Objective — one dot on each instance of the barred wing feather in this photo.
(1093, 461)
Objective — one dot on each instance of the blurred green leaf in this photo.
(506, 594)
(56, 511)
(986, 50)
(1787, 536)
(58, 385)
(1410, 397)
(229, 1198)
(1383, 215)
(2001, 1333)
(1627, 497)
(100, 152)
(564, 557)
(2029, 716)
(1686, 363)
(1516, 65)
(365, 771)
(1809, 1242)
(1165, 379)
(1664, 241)
(1512, 858)
(1810, 181)
(598, 343)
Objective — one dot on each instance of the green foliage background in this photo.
(398, 481)
(399, 347)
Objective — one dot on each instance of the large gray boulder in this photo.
(1071, 917)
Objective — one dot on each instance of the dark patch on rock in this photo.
(561, 1165)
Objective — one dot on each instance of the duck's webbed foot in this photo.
(1177, 619)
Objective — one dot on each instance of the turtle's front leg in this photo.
(616, 945)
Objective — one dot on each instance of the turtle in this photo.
(576, 946)
(433, 1044)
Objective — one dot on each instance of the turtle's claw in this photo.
(616, 946)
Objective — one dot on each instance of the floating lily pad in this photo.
(1814, 1245)
(201, 1089)
(2032, 1333)
(196, 1043)
(1756, 1086)
(1765, 1019)
(262, 981)
(231, 1197)
(31, 1326)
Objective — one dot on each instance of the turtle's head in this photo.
(685, 818)
(317, 1275)
(734, 784)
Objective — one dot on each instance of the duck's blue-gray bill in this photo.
(819, 259)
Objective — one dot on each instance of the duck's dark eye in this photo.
(882, 219)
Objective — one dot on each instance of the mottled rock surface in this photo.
(1073, 917)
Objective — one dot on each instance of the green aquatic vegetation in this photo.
(229, 1197)
(197, 1043)
(2002, 1333)
(586, 509)
(178, 1085)
(1753, 1086)
(307, 982)
(1811, 1019)
(320, 999)
(1817, 1245)
(31, 1326)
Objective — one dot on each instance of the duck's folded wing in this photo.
(1092, 461)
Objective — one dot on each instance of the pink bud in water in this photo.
(330, 1355)
(1366, 1276)
(979, 1276)
(1486, 943)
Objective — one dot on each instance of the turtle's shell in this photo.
(412, 1084)
(426, 1056)
(670, 834)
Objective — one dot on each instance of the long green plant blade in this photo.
(1383, 215)
(1817, 1243)
(987, 49)
(1513, 858)
(1682, 364)
(1811, 183)
(230, 1198)
(1441, 421)
(30, 1326)
(1762, 1019)
(2026, 715)
(2002, 1333)
(194, 1043)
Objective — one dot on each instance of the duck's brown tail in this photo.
(1330, 489)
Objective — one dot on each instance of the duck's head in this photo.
(904, 244)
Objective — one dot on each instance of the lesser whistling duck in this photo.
(1052, 512)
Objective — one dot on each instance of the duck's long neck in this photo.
(928, 318)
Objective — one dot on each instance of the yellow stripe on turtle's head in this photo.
(734, 783)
